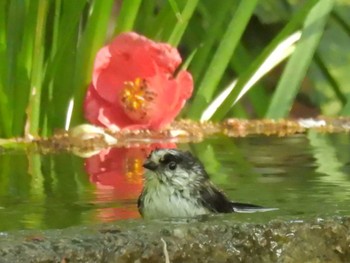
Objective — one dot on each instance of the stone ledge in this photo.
(318, 240)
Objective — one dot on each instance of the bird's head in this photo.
(174, 168)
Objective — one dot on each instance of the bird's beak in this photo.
(150, 165)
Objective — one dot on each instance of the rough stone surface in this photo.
(318, 240)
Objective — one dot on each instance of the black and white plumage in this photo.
(177, 185)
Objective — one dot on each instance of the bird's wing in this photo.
(216, 201)
(140, 204)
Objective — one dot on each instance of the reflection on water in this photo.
(303, 175)
(117, 174)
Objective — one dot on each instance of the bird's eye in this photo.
(172, 165)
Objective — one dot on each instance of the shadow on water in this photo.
(303, 175)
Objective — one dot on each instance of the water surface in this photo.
(305, 176)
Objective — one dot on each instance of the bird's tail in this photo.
(249, 208)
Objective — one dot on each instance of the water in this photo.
(305, 176)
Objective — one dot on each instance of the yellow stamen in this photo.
(136, 97)
(132, 95)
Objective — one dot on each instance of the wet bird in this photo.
(177, 185)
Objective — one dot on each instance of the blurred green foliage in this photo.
(47, 49)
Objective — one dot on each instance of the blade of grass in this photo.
(298, 64)
(127, 16)
(24, 67)
(14, 34)
(165, 19)
(222, 57)
(258, 97)
(182, 22)
(174, 6)
(340, 16)
(4, 107)
(33, 111)
(61, 62)
(64, 61)
(146, 20)
(46, 97)
(282, 51)
(291, 27)
(184, 66)
(68, 23)
(328, 76)
(93, 38)
(213, 34)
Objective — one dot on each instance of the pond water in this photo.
(306, 175)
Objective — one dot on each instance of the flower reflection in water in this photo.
(118, 176)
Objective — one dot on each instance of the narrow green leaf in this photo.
(298, 64)
(5, 116)
(182, 22)
(222, 57)
(92, 39)
(214, 33)
(282, 51)
(37, 69)
(48, 103)
(174, 6)
(257, 96)
(164, 20)
(341, 16)
(145, 20)
(127, 16)
(292, 26)
(14, 36)
(331, 80)
(61, 68)
(21, 89)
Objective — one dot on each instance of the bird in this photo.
(176, 184)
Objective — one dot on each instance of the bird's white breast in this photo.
(162, 201)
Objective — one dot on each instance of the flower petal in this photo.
(164, 55)
(172, 95)
(102, 61)
(116, 99)
(102, 113)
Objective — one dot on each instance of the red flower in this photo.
(118, 176)
(133, 84)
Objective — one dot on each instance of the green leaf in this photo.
(283, 50)
(37, 70)
(258, 96)
(292, 26)
(222, 57)
(182, 22)
(216, 20)
(14, 37)
(340, 55)
(298, 64)
(127, 16)
(91, 40)
(24, 68)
